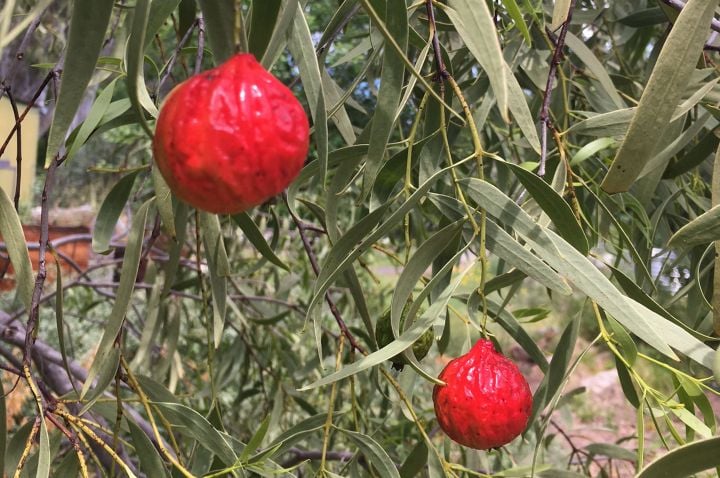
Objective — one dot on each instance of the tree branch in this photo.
(545, 122)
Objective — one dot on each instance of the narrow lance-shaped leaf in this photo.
(12, 235)
(391, 82)
(90, 19)
(474, 23)
(128, 273)
(662, 94)
(135, 59)
(110, 211)
(685, 460)
(302, 49)
(220, 22)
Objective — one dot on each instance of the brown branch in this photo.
(313, 262)
(42, 268)
(175, 55)
(545, 122)
(442, 72)
(201, 43)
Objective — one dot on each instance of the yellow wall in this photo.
(8, 160)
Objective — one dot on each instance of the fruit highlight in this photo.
(230, 138)
(486, 401)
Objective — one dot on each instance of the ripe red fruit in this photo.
(486, 401)
(230, 138)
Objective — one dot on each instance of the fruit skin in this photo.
(231, 137)
(486, 401)
(384, 335)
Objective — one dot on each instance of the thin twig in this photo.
(35, 97)
(201, 43)
(175, 55)
(313, 262)
(545, 122)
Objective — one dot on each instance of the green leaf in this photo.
(99, 107)
(691, 421)
(625, 343)
(264, 16)
(672, 72)
(293, 435)
(508, 322)
(554, 206)
(388, 98)
(514, 11)
(106, 350)
(302, 49)
(415, 462)
(561, 361)
(343, 253)
(590, 149)
(626, 383)
(15, 447)
(256, 439)
(193, 425)
(110, 211)
(704, 229)
(160, 11)
(611, 451)
(374, 454)
(135, 59)
(508, 249)
(685, 460)
(88, 24)
(644, 18)
(12, 234)
(576, 268)
(433, 314)
(559, 14)
(219, 18)
(520, 110)
(596, 68)
(411, 274)
(105, 370)
(253, 234)
(219, 268)
(278, 40)
(474, 23)
(163, 201)
(150, 461)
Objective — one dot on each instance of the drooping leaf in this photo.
(685, 460)
(90, 19)
(474, 22)
(662, 94)
(110, 211)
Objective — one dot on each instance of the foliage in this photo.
(463, 157)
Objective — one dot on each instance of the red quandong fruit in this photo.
(486, 401)
(231, 137)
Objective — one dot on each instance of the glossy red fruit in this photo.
(486, 401)
(230, 138)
